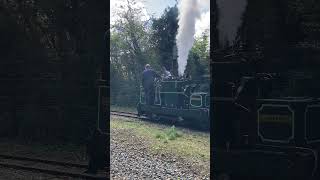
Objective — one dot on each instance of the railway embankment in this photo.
(144, 150)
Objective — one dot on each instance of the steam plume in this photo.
(189, 11)
(229, 20)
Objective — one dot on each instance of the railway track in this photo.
(46, 166)
(128, 114)
(135, 116)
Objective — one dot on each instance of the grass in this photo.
(192, 145)
(168, 135)
(122, 108)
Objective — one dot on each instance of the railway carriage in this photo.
(178, 100)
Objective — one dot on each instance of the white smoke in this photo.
(189, 11)
(230, 14)
(203, 24)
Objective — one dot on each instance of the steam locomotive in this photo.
(265, 92)
(178, 99)
(265, 117)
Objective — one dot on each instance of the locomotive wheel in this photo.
(149, 115)
(180, 119)
(155, 117)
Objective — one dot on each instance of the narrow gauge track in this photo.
(128, 114)
(135, 116)
(124, 112)
(51, 167)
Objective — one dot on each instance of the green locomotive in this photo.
(265, 122)
(179, 100)
(266, 101)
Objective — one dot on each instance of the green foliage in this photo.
(164, 38)
(198, 58)
(168, 135)
(172, 133)
(60, 39)
(135, 42)
(129, 52)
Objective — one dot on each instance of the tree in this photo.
(60, 43)
(131, 29)
(215, 31)
(198, 58)
(130, 51)
(164, 38)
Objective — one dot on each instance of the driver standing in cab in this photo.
(148, 76)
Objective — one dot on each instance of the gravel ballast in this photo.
(131, 158)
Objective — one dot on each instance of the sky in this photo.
(156, 8)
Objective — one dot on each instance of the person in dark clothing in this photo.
(148, 77)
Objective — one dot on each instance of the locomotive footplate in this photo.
(266, 162)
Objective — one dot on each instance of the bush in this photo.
(169, 135)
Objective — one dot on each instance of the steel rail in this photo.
(46, 161)
(35, 167)
(128, 114)
(135, 116)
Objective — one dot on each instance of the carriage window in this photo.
(196, 100)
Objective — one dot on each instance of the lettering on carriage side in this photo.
(306, 120)
(194, 97)
(275, 115)
(275, 118)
